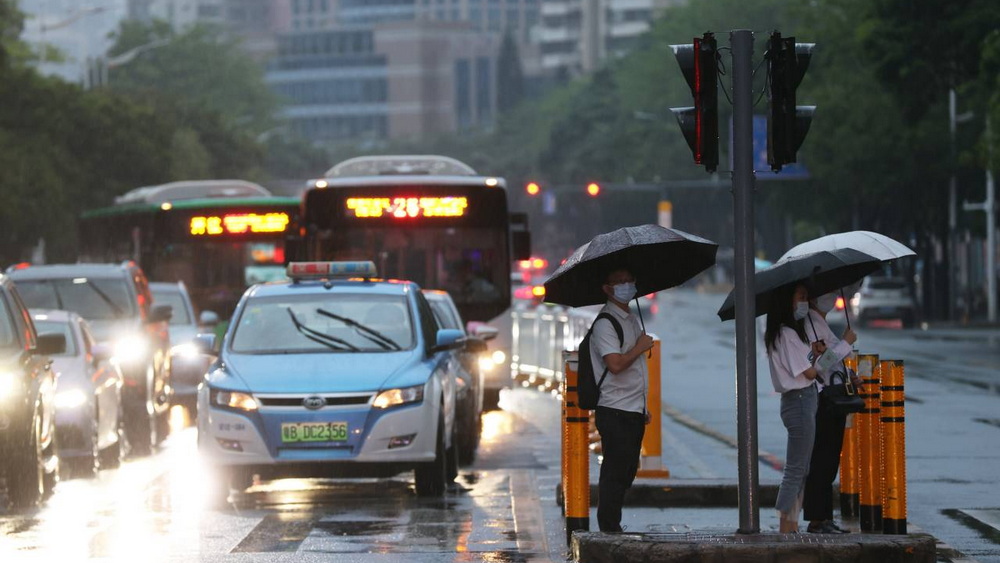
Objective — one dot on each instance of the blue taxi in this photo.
(332, 374)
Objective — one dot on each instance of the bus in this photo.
(429, 219)
(217, 236)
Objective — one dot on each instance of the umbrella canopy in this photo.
(658, 257)
(822, 271)
(873, 244)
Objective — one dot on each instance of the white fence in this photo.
(539, 334)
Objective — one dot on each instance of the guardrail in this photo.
(539, 334)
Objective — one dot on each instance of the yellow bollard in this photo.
(894, 449)
(576, 455)
(849, 497)
(651, 460)
(869, 429)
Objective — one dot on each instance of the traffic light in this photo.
(700, 124)
(593, 189)
(787, 123)
(532, 188)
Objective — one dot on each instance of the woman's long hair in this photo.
(780, 313)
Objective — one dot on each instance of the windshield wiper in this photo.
(331, 342)
(370, 333)
(118, 312)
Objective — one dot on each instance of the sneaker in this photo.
(825, 527)
(830, 524)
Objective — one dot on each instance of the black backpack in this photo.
(588, 388)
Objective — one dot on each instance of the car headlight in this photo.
(234, 400)
(70, 399)
(499, 357)
(9, 383)
(486, 363)
(394, 397)
(187, 351)
(131, 349)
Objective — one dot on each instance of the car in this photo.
(188, 365)
(90, 427)
(474, 360)
(28, 457)
(883, 298)
(115, 300)
(334, 373)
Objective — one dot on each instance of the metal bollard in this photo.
(849, 464)
(869, 428)
(651, 460)
(576, 455)
(893, 449)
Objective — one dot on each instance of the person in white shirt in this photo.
(792, 373)
(621, 414)
(817, 502)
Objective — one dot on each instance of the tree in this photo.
(510, 76)
(11, 24)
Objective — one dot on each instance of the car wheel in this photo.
(233, 479)
(468, 434)
(162, 425)
(141, 419)
(26, 470)
(451, 459)
(111, 456)
(491, 399)
(85, 467)
(431, 477)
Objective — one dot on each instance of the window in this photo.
(463, 87)
(484, 91)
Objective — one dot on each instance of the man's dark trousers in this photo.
(621, 441)
(817, 502)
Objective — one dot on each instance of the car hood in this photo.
(312, 373)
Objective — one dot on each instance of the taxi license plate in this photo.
(313, 432)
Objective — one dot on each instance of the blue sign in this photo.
(794, 171)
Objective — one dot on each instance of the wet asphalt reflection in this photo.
(161, 509)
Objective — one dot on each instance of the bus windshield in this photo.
(91, 298)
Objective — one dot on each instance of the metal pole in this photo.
(741, 42)
(952, 208)
(991, 235)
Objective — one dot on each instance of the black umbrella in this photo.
(822, 272)
(658, 257)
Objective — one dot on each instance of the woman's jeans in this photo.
(798, 413)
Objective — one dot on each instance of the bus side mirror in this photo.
(482, 330)
(205, 343)
(521, 245)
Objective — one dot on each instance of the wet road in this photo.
(158, 509)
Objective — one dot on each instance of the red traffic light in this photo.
(593, 189)
(532, 188)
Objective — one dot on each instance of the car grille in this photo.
(292, 401)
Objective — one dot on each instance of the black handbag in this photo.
(841, 397)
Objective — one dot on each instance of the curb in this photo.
(697, 547)
(666, 493)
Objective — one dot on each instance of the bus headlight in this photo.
(130, 349)
(394, 397)
(234, 400)
(70, 399)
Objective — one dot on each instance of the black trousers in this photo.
(817, 502)
(621, 442)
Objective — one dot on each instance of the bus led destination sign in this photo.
(406, 207)
(238, 224)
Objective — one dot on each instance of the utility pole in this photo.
(741, 42)
(952, 209)
(989, 207)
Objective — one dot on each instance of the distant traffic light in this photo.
(787, 123)
(532, 188)
(700, 124)
(593, 189)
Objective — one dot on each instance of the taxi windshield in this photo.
(318, 323)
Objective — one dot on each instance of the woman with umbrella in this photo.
(793, 375)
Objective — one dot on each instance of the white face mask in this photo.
(624, 292)
(801, 310)
(826, 302)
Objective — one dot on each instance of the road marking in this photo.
(766, 458)
(688, 456)
(529, 521)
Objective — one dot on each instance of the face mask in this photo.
(624, 292)
(801, 310)
(826, 302)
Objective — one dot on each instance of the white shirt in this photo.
(789, 359)
(841, 348)
(627, 389)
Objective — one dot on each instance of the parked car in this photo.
(188, 365)
(333, 373)
(28, 457)
(115, 300)
(474, 359)
(90, 428)
(884, 298)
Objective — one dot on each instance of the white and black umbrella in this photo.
(822, 272)
(658, 257)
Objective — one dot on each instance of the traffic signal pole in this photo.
(741, 42)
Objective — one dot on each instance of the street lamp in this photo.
(98, 71)
(69, 20)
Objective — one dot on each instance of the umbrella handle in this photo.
(846, 316)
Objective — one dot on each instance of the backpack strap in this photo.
(621, 338)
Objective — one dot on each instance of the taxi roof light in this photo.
(330, 270)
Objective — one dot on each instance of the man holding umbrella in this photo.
(621, 413)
